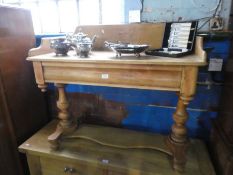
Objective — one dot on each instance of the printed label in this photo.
(104, 76)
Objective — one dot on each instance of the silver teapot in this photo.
(82, 43)
(61, 46)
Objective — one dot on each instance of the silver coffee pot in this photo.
(82, 43)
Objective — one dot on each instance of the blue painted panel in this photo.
(149, 118)
(205, 98)
(222, 56)
(128, 95)
(38, 37)
(220, 47)
(159, 120)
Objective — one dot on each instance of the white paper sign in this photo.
(134, 16)
(215, 64)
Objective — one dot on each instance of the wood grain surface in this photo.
(150, 34)
(86, 157)
(100, 57)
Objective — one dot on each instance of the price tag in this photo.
(215, 64)
(104, 76)
(105, 161)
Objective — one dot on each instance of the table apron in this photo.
(128, 76)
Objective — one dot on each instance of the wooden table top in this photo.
(109, 57)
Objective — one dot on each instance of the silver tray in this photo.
(126, 48)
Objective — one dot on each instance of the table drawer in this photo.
(155, 77)
(51, 166)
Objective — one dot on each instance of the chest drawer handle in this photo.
(66, 169)
(71, 170)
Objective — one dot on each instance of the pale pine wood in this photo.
(178, 141)
(63, 106)
(151, 34)
(112, 66)
(187, 91)
(153, 79)
(104, 57)
(38, 70)
(43, 48)
(199, 48)
(188, 83)
(198, 58)
(66, 124)
(87, 156)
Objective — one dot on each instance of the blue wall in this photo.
(174, 10)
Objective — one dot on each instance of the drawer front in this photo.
(66, 167)
(110, 172)
(147, 78)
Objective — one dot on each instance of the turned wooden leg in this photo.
(38, 69)
(66, 124)
(178, 141)
(63, 105)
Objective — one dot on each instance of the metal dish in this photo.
(126, 48)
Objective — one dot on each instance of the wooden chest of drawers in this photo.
(88, 152)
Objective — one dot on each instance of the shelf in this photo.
(118, 149)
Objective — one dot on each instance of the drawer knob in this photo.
(71, 170)
(66, 169)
